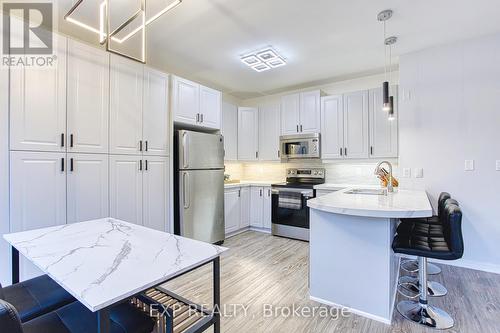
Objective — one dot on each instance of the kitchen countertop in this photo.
(246, 183)
(107, 260)
(400, 204)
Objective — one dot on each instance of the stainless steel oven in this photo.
(290, 214)
(302, 146)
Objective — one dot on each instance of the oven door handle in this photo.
(308, 194)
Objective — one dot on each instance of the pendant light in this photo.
(383, 16)
(389, 42)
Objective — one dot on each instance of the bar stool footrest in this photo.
(425, 315)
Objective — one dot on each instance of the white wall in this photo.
(450, 112)
(4, 176)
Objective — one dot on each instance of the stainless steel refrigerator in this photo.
(199, 186)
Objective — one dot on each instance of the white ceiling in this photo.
(321, 39)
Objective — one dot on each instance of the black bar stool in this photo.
(411, 266)
(446, 246)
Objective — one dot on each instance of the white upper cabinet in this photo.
(383, 132)
(301, 113)
(356, 124)
(185, 101)
(232, 209)
(38, 105)
(155, 192)
(332, 127)
(155, 113)
(290, 114)
(248, 123)
(210, 107)
(269, 133)
(125, 188)
(310, 120)
(87, 187)
(88, 93)
(230, 131)
(125, 106)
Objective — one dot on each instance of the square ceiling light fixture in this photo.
(263, 60)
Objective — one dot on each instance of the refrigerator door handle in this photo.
(185, 190)
(185, 149)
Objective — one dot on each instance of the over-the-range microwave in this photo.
(300, 146)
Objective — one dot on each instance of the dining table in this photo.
(104, 262)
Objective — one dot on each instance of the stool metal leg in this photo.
(411, 266)
(421, 312)
(411, 284)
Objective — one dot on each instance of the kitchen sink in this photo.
(367, 191)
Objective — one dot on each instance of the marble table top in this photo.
(400, 204)
(103, 261)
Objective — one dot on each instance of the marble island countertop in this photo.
(400, 204)
(107, 260)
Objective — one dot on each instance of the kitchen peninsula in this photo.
(351, 260)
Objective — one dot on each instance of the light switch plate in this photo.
(406, 172)
(419, 173)
(469, 165)
(498, 165)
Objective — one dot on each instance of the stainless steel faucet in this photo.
(389, 183)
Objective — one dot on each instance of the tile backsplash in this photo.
(340, 172)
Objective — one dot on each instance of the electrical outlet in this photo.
(498, 165)
(406, 172)
(469, 165)
(419, 173)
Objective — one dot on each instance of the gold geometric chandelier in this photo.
(106, 35)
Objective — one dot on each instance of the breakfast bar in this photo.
(351, 261)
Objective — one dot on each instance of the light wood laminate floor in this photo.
(262, 269)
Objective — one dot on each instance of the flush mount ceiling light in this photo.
(104, 33)
(263, 60)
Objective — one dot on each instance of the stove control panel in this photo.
(306, 173)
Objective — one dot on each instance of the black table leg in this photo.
(103, 321)
(217, 295)
(15, 266)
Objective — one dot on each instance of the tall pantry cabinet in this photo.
(88, 139)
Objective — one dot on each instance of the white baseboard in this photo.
(355, 311)
(237, 232)
(264, 230)
(465, 263)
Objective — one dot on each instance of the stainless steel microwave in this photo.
(301, 146)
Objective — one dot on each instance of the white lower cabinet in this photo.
(232, 209)
(266, 209)
(244, 207)
(37, 195)
(139, 188)
(256, 205)
(87, 187)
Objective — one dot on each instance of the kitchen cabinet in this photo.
(256, 206)
(356, 139)
(244, 207)
(155, 192)
(269, 133)
(87, 187)
(88, 99)
(125, 187)
(266, 208)
(248, 124)
(232, 209)
(301, 113)
(332, 127)
(155, 132)
(230, 131)
(210, 107)
(37, 195)
(185, 100)
(38, 105)
(196, 105)
(126, 89)
(383, 132)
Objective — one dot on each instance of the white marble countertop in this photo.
(400, 204)
(104, 261)
(246, 183)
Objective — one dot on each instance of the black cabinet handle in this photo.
(62, 164)
(140, 145)
(140, 165)
(341, 151)
(239, 193)
(260, 191)
(146, 165)
(146, 145)
(269, 192)
(301, 128)
(62, 139)
(297, 128)
(197, 117)
(71, 140)
(345, 151)
(201, 117)
(256, 154)
(278, 153)
(71, 167)
(371, 150)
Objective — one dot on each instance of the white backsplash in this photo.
(338, 172)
